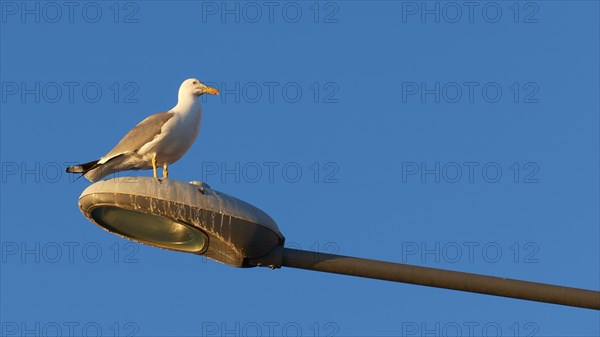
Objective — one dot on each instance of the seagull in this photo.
(159, 140)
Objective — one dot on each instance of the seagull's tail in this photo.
(94, 171)
(85, 169)
(82, 168)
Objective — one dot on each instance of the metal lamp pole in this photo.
(440, 278)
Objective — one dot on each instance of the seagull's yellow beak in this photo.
(212, 91)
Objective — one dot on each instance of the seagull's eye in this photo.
(195, 82)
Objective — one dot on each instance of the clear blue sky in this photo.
(448, 135)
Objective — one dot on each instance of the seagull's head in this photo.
(194, 87)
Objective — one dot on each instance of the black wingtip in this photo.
(82, 168)
(73, 169)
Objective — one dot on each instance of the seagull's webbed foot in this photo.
(165, 171)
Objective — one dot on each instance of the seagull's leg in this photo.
(165, 171)
(154, 166)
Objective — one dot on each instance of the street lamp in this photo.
(193, 218)
(186, 217)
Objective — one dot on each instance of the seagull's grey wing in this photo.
(141, 134)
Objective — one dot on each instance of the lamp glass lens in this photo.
(150, 229)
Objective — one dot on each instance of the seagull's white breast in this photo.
(176, 137)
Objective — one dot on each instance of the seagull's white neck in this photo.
(187, 104)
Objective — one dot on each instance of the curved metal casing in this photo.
(238, 234)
